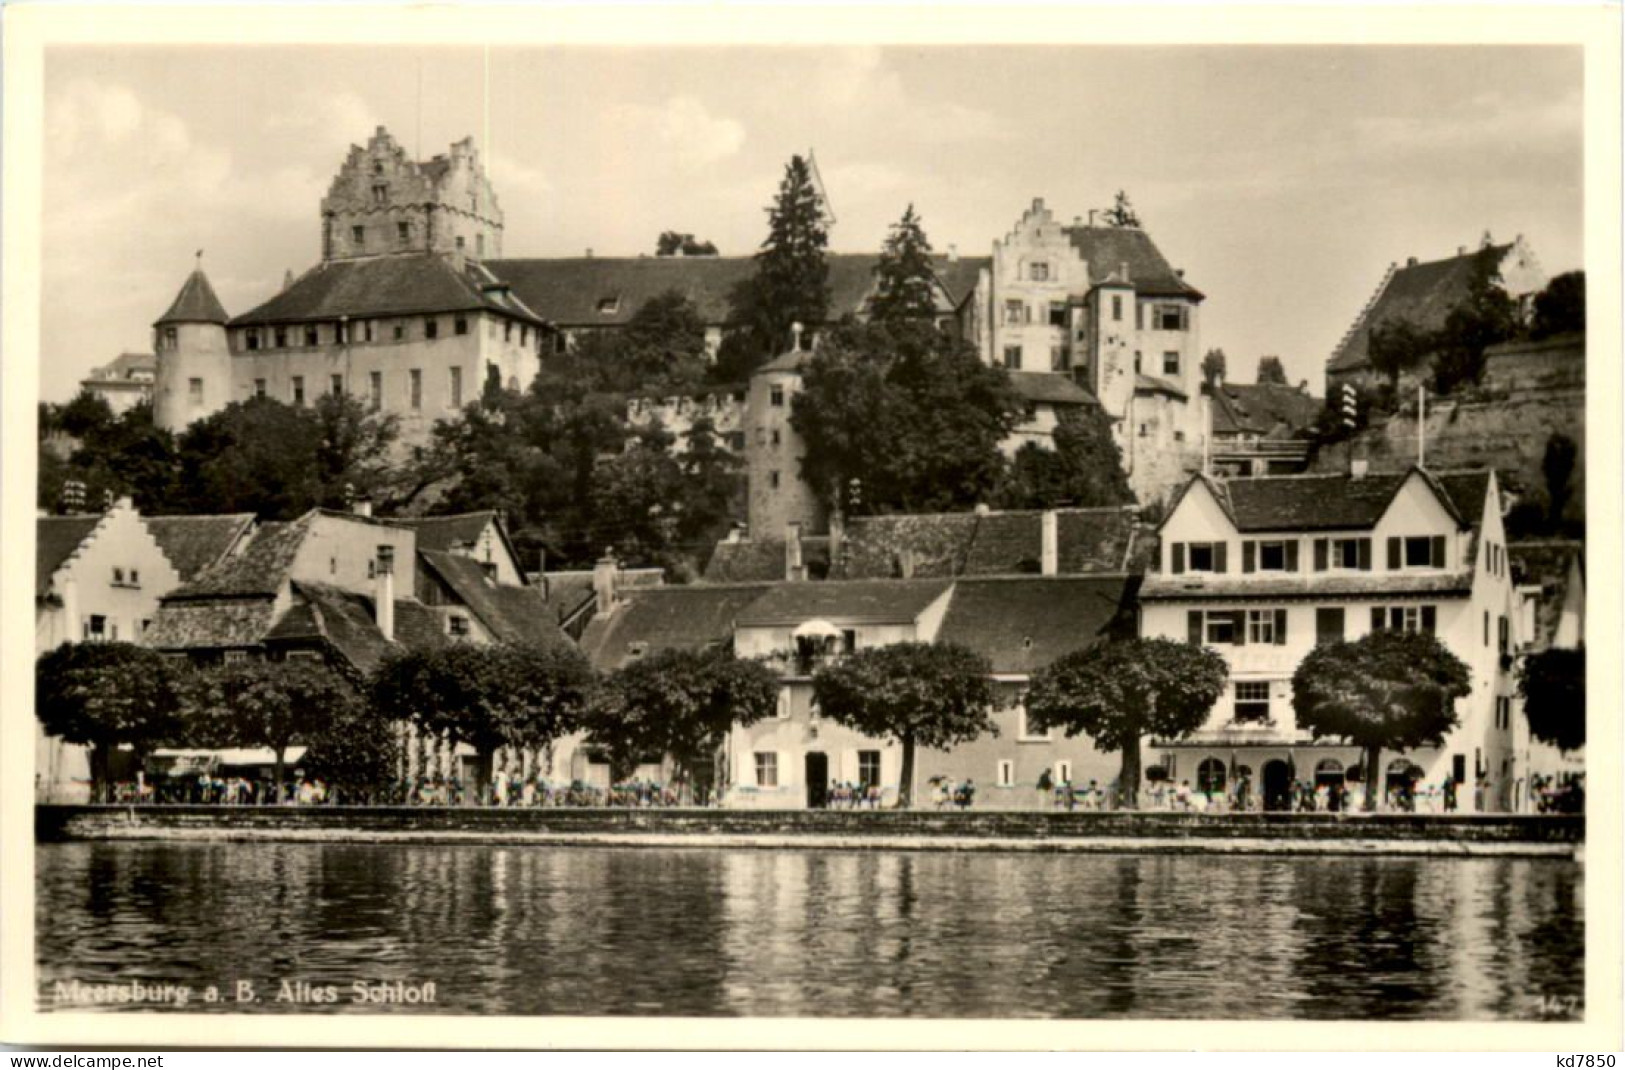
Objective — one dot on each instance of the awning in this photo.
(179, 762)
(816, 629)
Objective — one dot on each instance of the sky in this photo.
(1283, 180)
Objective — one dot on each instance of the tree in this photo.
(1553, 685)
(680, 703)
(1085, 468)
(1561, 306)
(919, 694)
(356, 753)
(662, 347)
(1213, 367)
(272, 704)
(1121, 213)
(791, 284)
(1399, 346)
(1387, 690)
(486, 697)
(1270, 371)
(106, 695)
(672, 243)
(633, 500)
(905, 282)
(1557, 465)
(112, 456)
(1117, 691)
(1487, 316)
(910, 412)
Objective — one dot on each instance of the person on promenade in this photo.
(1182, 796)
(1046, 787)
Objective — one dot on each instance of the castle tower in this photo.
(778, 495)
(381, 202)
(194, 364)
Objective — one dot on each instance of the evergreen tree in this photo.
(1213, 366)
(791, 284)
(905, 284)
(1270, 372)
(1121, 213)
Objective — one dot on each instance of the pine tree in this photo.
(1121, 213)
(791, 284)
(905, 283)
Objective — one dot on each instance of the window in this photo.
(336, 385)
(1169, 318)
(252, 338)
(459, 243)
(1329, 625)
(1015, 311)
(1404, 618)
(232, 657)
(431, 328)
(118, 577)
(1252, 701)
(1199, 556)
(1416, 551)
(1026, 732)
(1486, 627)
(1342, 554)
(1504, 636)
(1038, 272)
(1136, 362)
(415, 378)
(479, 245)
(775, 436)
(457, 626)
(1210, 777)
(1012, 358)
(767, 769)
(298, 390)
(849, 640)
(359, 236)
(869, 768)
(507, 330)
(456, 388)
(1057, 359)
(281, 335)
(608, 306)
(259, 388)
(375, 388)
(1005, 777)
(1216, 627)
(773, 479)
(1057, 313)
(403, 232)
(366, 328)
(171, 337)
(1271, 555)
(1117, 308)
(380, 195)
(1063, 772)
(194, 391)
(1266, 626)
(1139, 315)
(775, 396)
(312, 337)
(1170, 362)
(460, 325)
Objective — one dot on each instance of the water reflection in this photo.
(529, 931)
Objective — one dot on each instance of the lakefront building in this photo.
(1264, 569)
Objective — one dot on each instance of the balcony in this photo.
(1274, 732)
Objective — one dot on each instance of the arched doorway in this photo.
(1399, 785)
(1329, 775)
(1277, 785)
(1210, 777)
(817, 780)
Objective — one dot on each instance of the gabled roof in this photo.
(850, 601)
(449, 532)
(1151, 384)
(211, 624)
(1107, 249)
(259, 570)
(124, 368)
(512, 614)
(196, 303)
(1262, 409)
(1423, 293)
(347, 622)
(1335, 501)
(1022, 624)
(660, 618)
(55, 540)
(396, 285)
(1051, 388)
(194, 543)
(608, 291)
(1086, 540)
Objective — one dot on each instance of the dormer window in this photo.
(457, 626)
(608, 306)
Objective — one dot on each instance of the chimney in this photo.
(1077, 221)
(362, 506)
(1358, 467)
(794, 571)
(953, 253)
(603, 583)
(837, 536)
(287, 279)
(384, 591)
(1461, 250)
(1048, 543)
(795, 336)
(1410, 261)
(1122, 269)
(1486, 241)
(1038, 204)
(905, 563)
(589, 252)
(1092, 213)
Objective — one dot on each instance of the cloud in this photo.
(683, 130)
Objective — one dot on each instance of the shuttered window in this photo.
(1328, 625)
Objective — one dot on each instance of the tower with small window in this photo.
(193, 377)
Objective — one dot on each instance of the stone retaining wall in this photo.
(55, 823)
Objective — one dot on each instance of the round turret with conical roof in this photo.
(194, 361)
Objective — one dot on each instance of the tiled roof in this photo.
(1054, 388)
(258, 570)
(683, 617)
(125, 367)
(408, 284)
(608, 291)
(448, 532)
(853, 601)
(1107, 249)
(212, 624)
(937, 543)
(1087, 540)
(1022, 624)
(1309, 502)
(1468, 493)
(746, 561)
(193, 543)
(1262, 409)
(196, 303)
(55, 539)
(1546, 564)
(1423, 294)
(1151, 384)
(1186, 588)
(512, 614)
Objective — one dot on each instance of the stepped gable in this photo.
(666, 618)
(1022, 624)
(55, 540)
(196, 303)
(1422, 293)
(195, 543)
(1107, 249)
(397, 285)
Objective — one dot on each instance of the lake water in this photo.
(585, 931)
